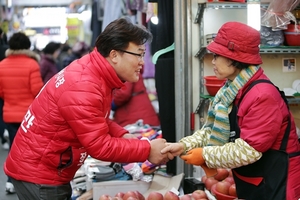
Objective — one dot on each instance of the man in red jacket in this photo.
(69, 119)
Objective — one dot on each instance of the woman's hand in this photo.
(175, 149)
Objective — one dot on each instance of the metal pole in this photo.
(183, 97)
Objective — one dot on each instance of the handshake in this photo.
(162, 152)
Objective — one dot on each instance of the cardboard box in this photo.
(88, 195)
(158, 184)
(111, 188)
(164, 184)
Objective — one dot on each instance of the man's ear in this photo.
(113, 55)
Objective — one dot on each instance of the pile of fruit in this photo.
(135, 195)
(221, 184)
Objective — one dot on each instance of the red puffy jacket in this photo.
(20, 82)
(68, 121)
(264, 130)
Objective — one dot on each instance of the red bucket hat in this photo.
(237, 41)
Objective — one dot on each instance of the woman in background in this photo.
(78, 50)
(20, 82)
(48, 64)
(3, 47)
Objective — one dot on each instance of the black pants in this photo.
(12, 130)
(31, 191)
(2, 124)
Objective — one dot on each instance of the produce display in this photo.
(135, 195)
(221, 185)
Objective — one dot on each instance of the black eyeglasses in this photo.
(215, 56)
(140, 56)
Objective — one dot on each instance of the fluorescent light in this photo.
(154, 20)
(253, 15)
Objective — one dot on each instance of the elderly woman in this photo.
(249, 128)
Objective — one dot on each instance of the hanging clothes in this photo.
(149, 68)
(96, 20)
(163, 36)
(113, 9)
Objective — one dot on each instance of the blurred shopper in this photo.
(69, 119)
(3, 44)
(131, 103)
(249, 127)
(20, 82)
(78, 50)
(3, 47)
(48, 63)
(65, 52)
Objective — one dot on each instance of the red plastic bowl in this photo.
(220, 196)
(212, 89)
(213, 80)
(292, 37)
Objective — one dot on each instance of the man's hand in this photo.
(155, 156)
(175, 149)
(194, 157)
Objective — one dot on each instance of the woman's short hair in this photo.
(19, 41)
(51, 47)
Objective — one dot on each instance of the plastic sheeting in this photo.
(278, 15)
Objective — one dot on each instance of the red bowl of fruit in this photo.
(221, 196)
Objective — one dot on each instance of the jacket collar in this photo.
(104, 70)
(25, 52)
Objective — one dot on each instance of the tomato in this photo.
(199, 194)
(155, 196)
(222, 174)
(129, 194)
(209, 182)
(229, 179)
(223, 187)
(185, 197)
(213, 189)
(139, 195)
(104, 197)
(120, 194)
(232, 190)
(203, 178)
(171, 196)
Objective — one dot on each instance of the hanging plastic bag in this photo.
(278, 15)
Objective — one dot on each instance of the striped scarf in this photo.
(220, 107)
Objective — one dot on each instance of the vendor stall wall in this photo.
(188, 66)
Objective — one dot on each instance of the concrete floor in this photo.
(3, 178)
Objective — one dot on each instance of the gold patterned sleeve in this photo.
(198, 139)
(231, 155)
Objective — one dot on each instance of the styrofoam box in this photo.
(111, 188)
